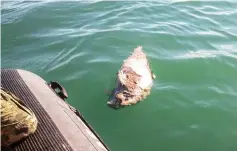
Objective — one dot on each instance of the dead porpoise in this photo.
(134, 80)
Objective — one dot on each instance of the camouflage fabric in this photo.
(17, 120)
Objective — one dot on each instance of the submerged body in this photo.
(134, 80)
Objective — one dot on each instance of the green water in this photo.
(192, 48)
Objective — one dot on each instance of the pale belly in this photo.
(140, 67)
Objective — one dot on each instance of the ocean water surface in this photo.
(192, 48)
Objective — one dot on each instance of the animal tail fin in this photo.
(138, 49)
(139, 53)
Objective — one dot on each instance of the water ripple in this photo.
(223, 90)
(191, 45)
(14, 11)
(204, 54)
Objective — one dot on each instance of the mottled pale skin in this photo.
(134, 80)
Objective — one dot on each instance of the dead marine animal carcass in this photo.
(134, 80)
